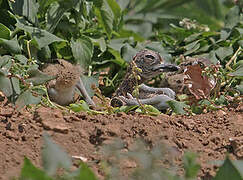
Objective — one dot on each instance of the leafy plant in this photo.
(54, 157)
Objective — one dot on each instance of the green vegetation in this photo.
(149, 165)
(104, 35)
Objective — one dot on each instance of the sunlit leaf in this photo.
(27, 8)
(105, 18)
(177, 107)
(53, 156)
(82, 50)
(4, 32)
(29, 171)
(42, 37)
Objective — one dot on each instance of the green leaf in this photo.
(11, 45)
(85, 173)
(42, 37)
(101, 43)
(238, 72)
(224, 52)
(56, 12)
(190, 165)
(178, 107)
(4, 32)
(27, 98)
(116, 10)
(37, 77)
(233, 17)
(5, 85)
(88, 81)
(26, 8)
(105, 18)
(82, 50)
(97, 3)
(30, 172)
(21, 58)
(53, 156)
(230, 170)
(82, 106)
(128, 52)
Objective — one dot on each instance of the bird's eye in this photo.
(149, 56)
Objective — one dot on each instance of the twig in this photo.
(233, 58)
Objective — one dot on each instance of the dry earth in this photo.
(210, 135)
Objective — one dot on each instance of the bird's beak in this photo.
(166, 67)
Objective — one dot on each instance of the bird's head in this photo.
(151, 64)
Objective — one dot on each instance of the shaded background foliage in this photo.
(103, 35)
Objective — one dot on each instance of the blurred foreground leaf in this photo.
(30, 172)
(54, 157)
(230, 170)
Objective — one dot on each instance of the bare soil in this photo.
(210, 135)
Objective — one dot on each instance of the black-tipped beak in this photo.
(166, 67)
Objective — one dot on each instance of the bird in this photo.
(149, 64)
(61, 90)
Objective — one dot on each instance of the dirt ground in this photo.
(210, 135)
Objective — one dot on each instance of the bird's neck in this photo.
(128, 84)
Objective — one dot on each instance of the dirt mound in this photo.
(210, 135)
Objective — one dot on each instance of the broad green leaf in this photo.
(37, 77)
(42, 37)
(123, 4)
(85, 173)
(116, 10)
(240, 87)
(54, 157)
(101, 43)
(128, 52)
(105, 18)
(27, 98)
(5, 85)
(190, 165)
(6, 61)
(30, 172)
(4, 32)
(88, 81)
(97, 3)
(15, 83)
(44, 54)
(233, 17)
(82, 106)
(26, 8)
(11, 45)
(56, 11)
(21, 58)
(229, 171)
(177, 107)
(82, 50)
(224, 52)
(118, 60)
(238, 72)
